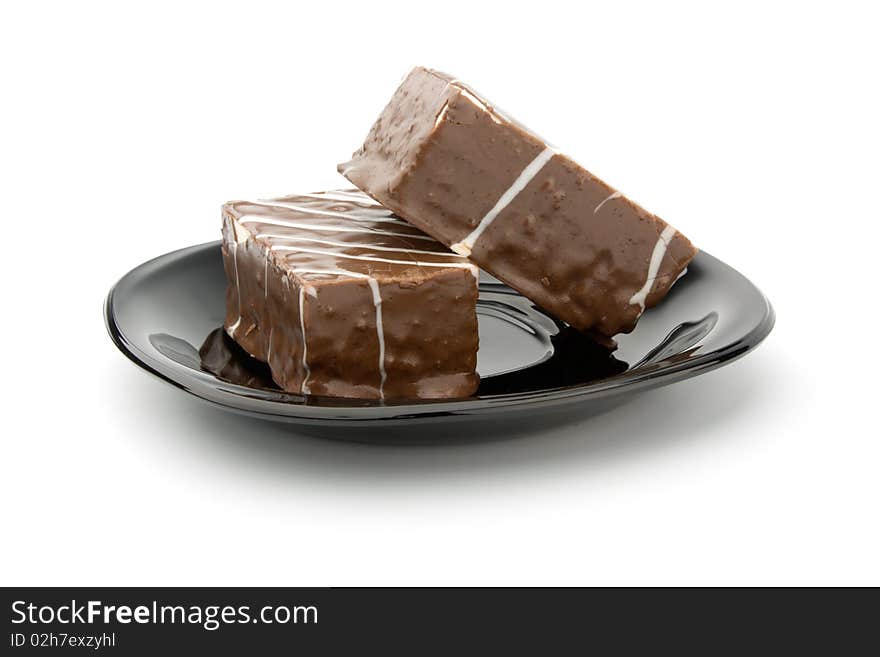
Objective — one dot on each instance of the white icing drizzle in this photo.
(354, 215)
(266, 278)
(269, 348)
(380, 333)
(233, 328)
(329, 271)
(304, 387)
(292, 238)
(610, 197)
(347, 256)
(531, 170)
(377, 305)
(277, 221)
(441, 115)
(351, 195)
(657, 254)
(342, 195)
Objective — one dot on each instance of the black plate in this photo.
(165, 315)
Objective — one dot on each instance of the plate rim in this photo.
(407, 410)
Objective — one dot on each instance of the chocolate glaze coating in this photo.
(341, 298)
(444, 159)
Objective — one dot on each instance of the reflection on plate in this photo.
(165, 315)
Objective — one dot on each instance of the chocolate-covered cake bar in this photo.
(444, 159)
(341, 298)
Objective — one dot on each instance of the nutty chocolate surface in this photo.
(448, 162)
(341, 298)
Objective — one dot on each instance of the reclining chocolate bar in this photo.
(343, 299)
(444, 159)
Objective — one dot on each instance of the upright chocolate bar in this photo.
(444, 159)
(341, 298)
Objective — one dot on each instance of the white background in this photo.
(753, 129)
